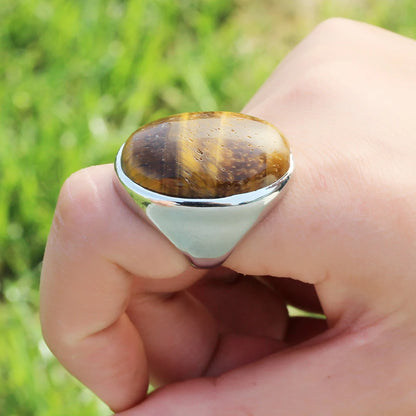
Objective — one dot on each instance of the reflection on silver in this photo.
(206, 230)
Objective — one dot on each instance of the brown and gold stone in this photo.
(206, 155)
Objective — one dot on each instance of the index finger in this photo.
(96, 246)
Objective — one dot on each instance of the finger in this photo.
(242, 304)
(95, 248)
(179, 333)
(169, 323)
(235, 350)
(337, 376)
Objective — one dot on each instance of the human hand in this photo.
(119, 302)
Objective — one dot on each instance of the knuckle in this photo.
(332, 41)
(336, 26)
(79, 207)
(324, 69)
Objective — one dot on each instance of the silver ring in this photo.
(204, 179)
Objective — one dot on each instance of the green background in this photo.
(76, 78)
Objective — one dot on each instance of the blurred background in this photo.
(76, 78)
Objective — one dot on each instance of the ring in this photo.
(204, 179)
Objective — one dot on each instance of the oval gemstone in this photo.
(206, 155)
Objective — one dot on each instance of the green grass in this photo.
(76, 78)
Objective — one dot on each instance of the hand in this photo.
(120, 303)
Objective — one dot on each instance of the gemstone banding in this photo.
(206, 155)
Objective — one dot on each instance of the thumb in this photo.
(346, 222)
(341, 375)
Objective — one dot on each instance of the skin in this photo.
(120, 305)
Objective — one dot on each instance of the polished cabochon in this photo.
(204, 179)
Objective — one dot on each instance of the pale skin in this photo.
(120, 305)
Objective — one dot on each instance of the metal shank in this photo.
(206, 230)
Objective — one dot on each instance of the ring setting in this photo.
(204, 179)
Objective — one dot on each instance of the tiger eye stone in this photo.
(206, 155)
